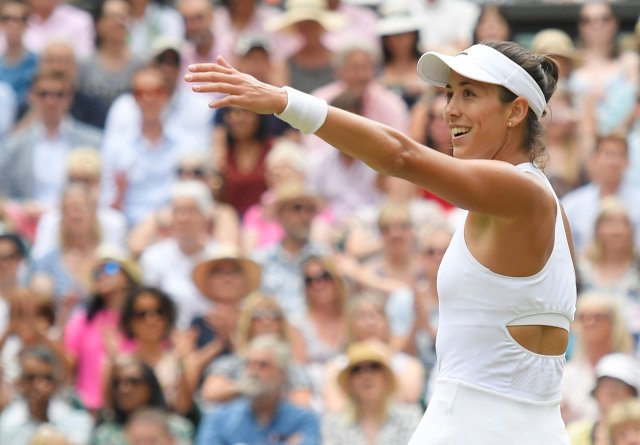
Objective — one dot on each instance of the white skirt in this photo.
(463, 414)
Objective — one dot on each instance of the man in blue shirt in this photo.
(263, 417)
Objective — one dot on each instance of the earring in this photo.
(509, 124)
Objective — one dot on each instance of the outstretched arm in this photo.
(488, 187)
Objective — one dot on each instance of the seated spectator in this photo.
(152, 20)
(492, 25)
(558, 44)
(617, 380)
(70, 266)
(40, 402)
(599, 330)
(400, 37)
(224, 224)
(623, 423)
(33, 160)
(226, 278)
(107, 73)
(260, 315)
(58, 20)
(86, 107)
(610, 265)
(310, 66)
(373, 416)
(13, 264)
(437, 32)
(607, 166)
(360, 25)
(367, 321)
(295, 209)
(18, 65)
(132, 386)
(93, 333)
(150, 426)
(263, 415)
(83, 168)
(148, 317)
(168, 263)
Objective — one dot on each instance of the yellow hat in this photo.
(366, 352)
(301, 10)
(107, 252)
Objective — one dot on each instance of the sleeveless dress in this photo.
(490, 390)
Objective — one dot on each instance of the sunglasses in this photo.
(596, 317)
(14, 18)
(432, 251)
(32, 377)
(600, 19)
(108, 268)
(146, 313)
(266, 314)
(324, 277)
(195, 172)
(130, 381)
(302, 208)
(366, 367)
(151, 93)
(57, 94)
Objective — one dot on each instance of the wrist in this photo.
(303, 111)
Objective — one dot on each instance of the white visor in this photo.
(484, 64)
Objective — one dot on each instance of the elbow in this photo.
(400, 148)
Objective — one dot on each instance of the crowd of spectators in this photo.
(173, 274)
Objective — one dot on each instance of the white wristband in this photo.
(304, 112)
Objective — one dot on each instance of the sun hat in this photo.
(107, 252)
(163, 44)
(621, 367)
(247, 42)
(396, 18)
(293, 191)
(554, 42)
(484, 64)
(300, 10)
(226, 253)
(367, 351)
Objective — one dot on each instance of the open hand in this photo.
(241, 89)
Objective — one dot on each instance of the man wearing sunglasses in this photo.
(40, 402)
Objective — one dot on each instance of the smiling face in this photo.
(477, 119)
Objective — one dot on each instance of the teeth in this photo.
(457, 131)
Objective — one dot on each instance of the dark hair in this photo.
(98, 12)
(166, 305)
(156, 395)
(349, 102)
(43, 354)
(387, 56)
(261, 133)
(96, 302)
(544, 71)
(486, 8)
(17, 242)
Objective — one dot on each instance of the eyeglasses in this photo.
(266, 314)
(226, 270)
(33, 377)
(83, 179)
(595, 317)
(144, 314)
(130, 381)
(324, 277)
(56, 94)
(108, 268)
(598, 19)
(302, 208)
(9, 257)
(432, 251)
(366, 367)
(148, 93)
(403, 226)
(14, 18)
(195, 172)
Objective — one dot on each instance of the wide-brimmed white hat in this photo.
(396, 18)
(300, 10)
(484, 64)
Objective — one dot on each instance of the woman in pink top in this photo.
(92, 336)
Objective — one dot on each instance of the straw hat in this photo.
(556, 43)
(226, 253)
(396, 18)
(367, 352)
(300, 10)
(293, 191)
(111, 253)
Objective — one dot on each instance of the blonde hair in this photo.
(83, 190)
(254, 302)
(339, 284)
(609, 207)
(360, 300)
(621, 339)
(84, 160)
(48, 435)
(622, 413)
(393, 211)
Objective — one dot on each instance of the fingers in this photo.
(212, 67)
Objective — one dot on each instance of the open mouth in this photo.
(459, 131)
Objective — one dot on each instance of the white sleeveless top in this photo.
(476, 306)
